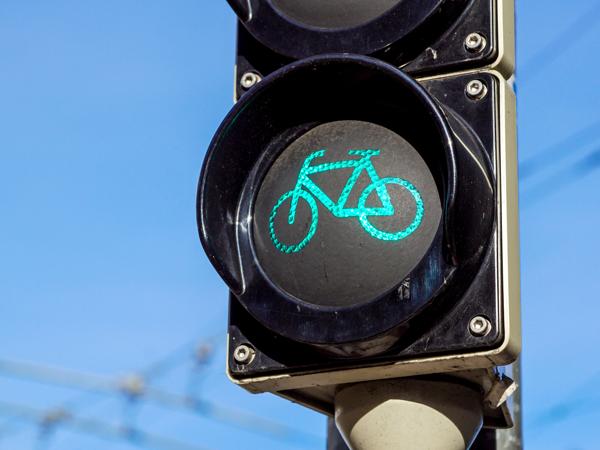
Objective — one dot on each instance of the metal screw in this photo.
(476, 89)
(244, 354)
(480, 326)
(475, 43)
(250, 79)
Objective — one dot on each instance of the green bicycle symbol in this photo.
(307, 190)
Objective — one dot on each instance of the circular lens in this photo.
(334, 14)
(344, 214)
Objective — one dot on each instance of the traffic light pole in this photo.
(335, 441)
(419, 413)
(487, 439)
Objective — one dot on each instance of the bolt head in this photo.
(249, 79)
(475, 43)
(476, 89)
(480, 326)
(243, 354)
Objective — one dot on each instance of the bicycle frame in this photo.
(338, 209)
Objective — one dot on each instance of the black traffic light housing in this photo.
(425, 313)
(421, 36)
(396, 101)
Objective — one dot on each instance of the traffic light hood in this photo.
(299, 29)
(266, 122)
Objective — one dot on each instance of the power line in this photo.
(135, 387)
(47, 420)
(152, 371)
(201, 351)
(561, 43)
(578, 402)
(169, 361)
(559, 151)
(572, 173)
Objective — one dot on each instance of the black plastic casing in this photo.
(423, 37)
(455, 281)
(464, 273)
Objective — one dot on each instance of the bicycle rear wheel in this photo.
(385, 235)
(312, 228)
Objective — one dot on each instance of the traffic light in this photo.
(363, 215)
(422, 37)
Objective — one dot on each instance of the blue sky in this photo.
(105, 111)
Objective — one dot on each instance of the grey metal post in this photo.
(488, 439)
(439, 414)
(334, 438)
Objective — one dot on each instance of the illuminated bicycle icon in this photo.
(308, 191)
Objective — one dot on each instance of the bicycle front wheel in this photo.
(385, 235)
(280, 209)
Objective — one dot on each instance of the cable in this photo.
(169, 361)
(49, 419)
(576, 171)
(134, 386)
(152, 371)
(559, 151)
(201, 350)
(579, 401)
(562, 42)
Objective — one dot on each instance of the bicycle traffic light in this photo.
(421, 36)
(364, 220)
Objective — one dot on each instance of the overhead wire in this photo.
(559, 151)
(135, 387)
(564, 177)
(198, 349)
(560, 43)
(134, 436)
(151, 372)
(579, 401)
(165, 364)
